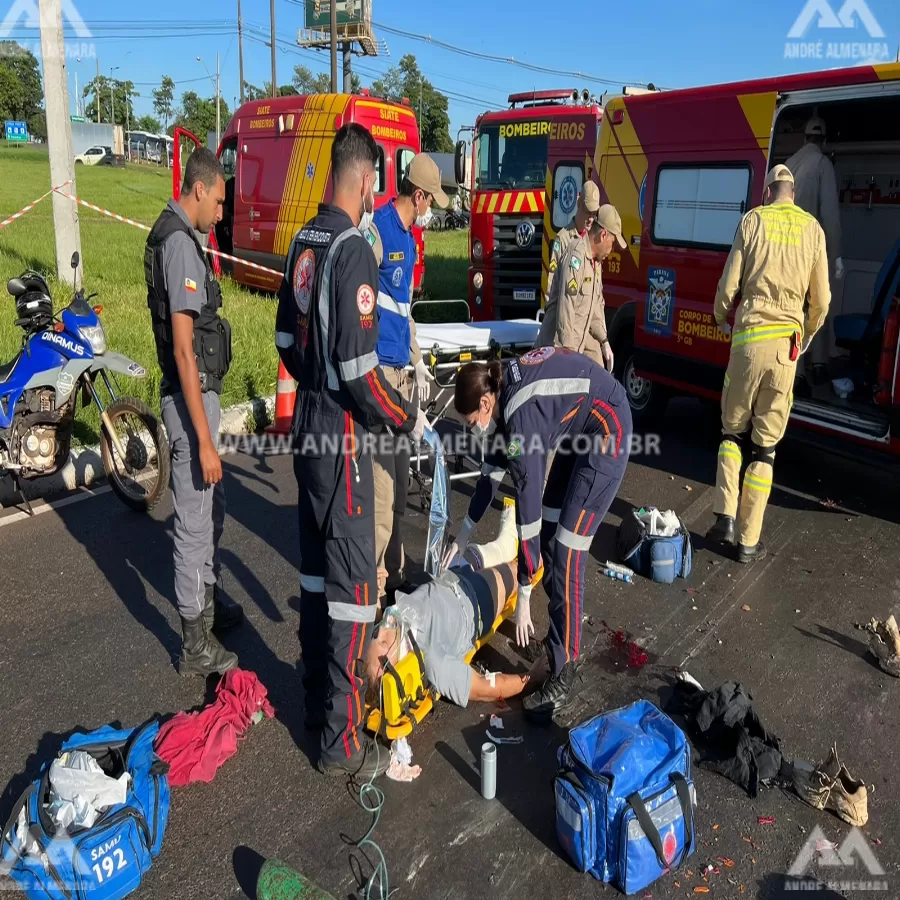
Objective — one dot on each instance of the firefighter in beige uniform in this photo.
(578, 291)
(588, 204)
(777, 260)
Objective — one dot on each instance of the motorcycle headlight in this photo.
(95, 336)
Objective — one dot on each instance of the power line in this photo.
(510, 60)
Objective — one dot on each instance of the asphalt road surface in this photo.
(90, 633)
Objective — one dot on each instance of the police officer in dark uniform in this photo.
(326, 334)
(193, 345)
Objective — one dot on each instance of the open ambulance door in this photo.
(863, 142)
(179, 161)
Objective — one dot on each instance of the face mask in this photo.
(367, 216)
(423, 221)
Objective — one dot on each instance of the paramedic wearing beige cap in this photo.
(816, 191)
(588, 204)
(777, 259)
(577, 311)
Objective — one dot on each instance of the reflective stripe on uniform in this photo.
(348, 612)
(549, 387)
(756, 483)
(386, 301)
(762, 333)
(550, 515)
(315, 583)
(727, 380)
(284, 340)
(730, 448)
(356, 368)
(325, 306)
(573, 541)
(529, 530)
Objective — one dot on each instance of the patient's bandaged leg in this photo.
(499, 551)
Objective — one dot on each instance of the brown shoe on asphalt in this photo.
(830, 786)
(884, 645)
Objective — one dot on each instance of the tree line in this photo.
(22, 99)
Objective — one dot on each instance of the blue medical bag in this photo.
(624, 796)
(662, 559)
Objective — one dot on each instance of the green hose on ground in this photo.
(278, 881)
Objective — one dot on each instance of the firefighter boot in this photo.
(728, 482)
(201, 653)
(754, 497)
(367, 763)
(220, 612)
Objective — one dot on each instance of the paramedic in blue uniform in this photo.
(326, 334)
(395, 252)
(551, 398)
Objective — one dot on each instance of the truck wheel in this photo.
(646, 399)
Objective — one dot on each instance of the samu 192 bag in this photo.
(624, 796)
(108, 860)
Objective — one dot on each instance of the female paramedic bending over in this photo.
(549, 398)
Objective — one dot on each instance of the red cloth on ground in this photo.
(196, 744)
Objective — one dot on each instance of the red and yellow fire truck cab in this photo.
(277, 159)
(528, 165)
(682, 167)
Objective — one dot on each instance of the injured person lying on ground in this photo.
(445, 619)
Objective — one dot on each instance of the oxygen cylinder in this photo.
(885, 391)
(278, 881)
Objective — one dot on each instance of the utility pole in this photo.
(334, 71)
(97, 91)
(59, 140)
(218, 105)
(112, 99)
(272, 16)
(76, 93)
(348, 69)
(241, 51)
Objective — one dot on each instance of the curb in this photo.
(85, 467)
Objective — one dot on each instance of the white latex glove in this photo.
(725, 328)
(418, 431)
(423, 382)
(458, 547)
(839, 268)
(608, 359)
(524, 625)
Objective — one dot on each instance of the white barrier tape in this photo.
(30, 206)
(143, 227)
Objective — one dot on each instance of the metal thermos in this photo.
(488, 770)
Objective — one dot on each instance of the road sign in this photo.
(16, 131)
(76, 118)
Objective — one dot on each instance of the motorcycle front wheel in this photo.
(141, 479)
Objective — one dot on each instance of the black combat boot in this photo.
(369, 762)
(723, 530)
(751, 554)
(554, 696)
(201, 653)
(220, 612)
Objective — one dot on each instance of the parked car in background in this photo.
(91, 156)
(111, 159)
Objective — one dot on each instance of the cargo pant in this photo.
(391, 464)
(756, 401)
(199, 508)
(337, 586)
(579, 492)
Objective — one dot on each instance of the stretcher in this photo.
(445, 348)
(406, 696)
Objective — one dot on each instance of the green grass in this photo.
(113, 255)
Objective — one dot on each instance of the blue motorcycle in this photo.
(61, 359)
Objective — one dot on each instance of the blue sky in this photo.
(673, 44)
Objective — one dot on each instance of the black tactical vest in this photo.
(212, 333)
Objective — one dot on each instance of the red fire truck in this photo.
(539, 149)
(682, 167)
